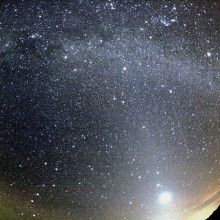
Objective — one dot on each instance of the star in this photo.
(165, 198)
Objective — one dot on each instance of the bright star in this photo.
(208, 54)
(165, 198)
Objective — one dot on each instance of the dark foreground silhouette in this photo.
(215, 215)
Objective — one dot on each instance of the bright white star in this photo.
(165, 198)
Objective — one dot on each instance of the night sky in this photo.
(109, 109)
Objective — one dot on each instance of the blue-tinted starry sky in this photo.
(107, 104)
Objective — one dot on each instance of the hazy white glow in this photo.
(165, 198)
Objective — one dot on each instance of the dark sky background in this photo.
(106, 105)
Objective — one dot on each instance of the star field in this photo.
(109, 109)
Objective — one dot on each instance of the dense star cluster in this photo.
(109, 109)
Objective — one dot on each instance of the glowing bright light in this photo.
(165, 198)
(208, 54)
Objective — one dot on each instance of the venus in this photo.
(165, 198)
